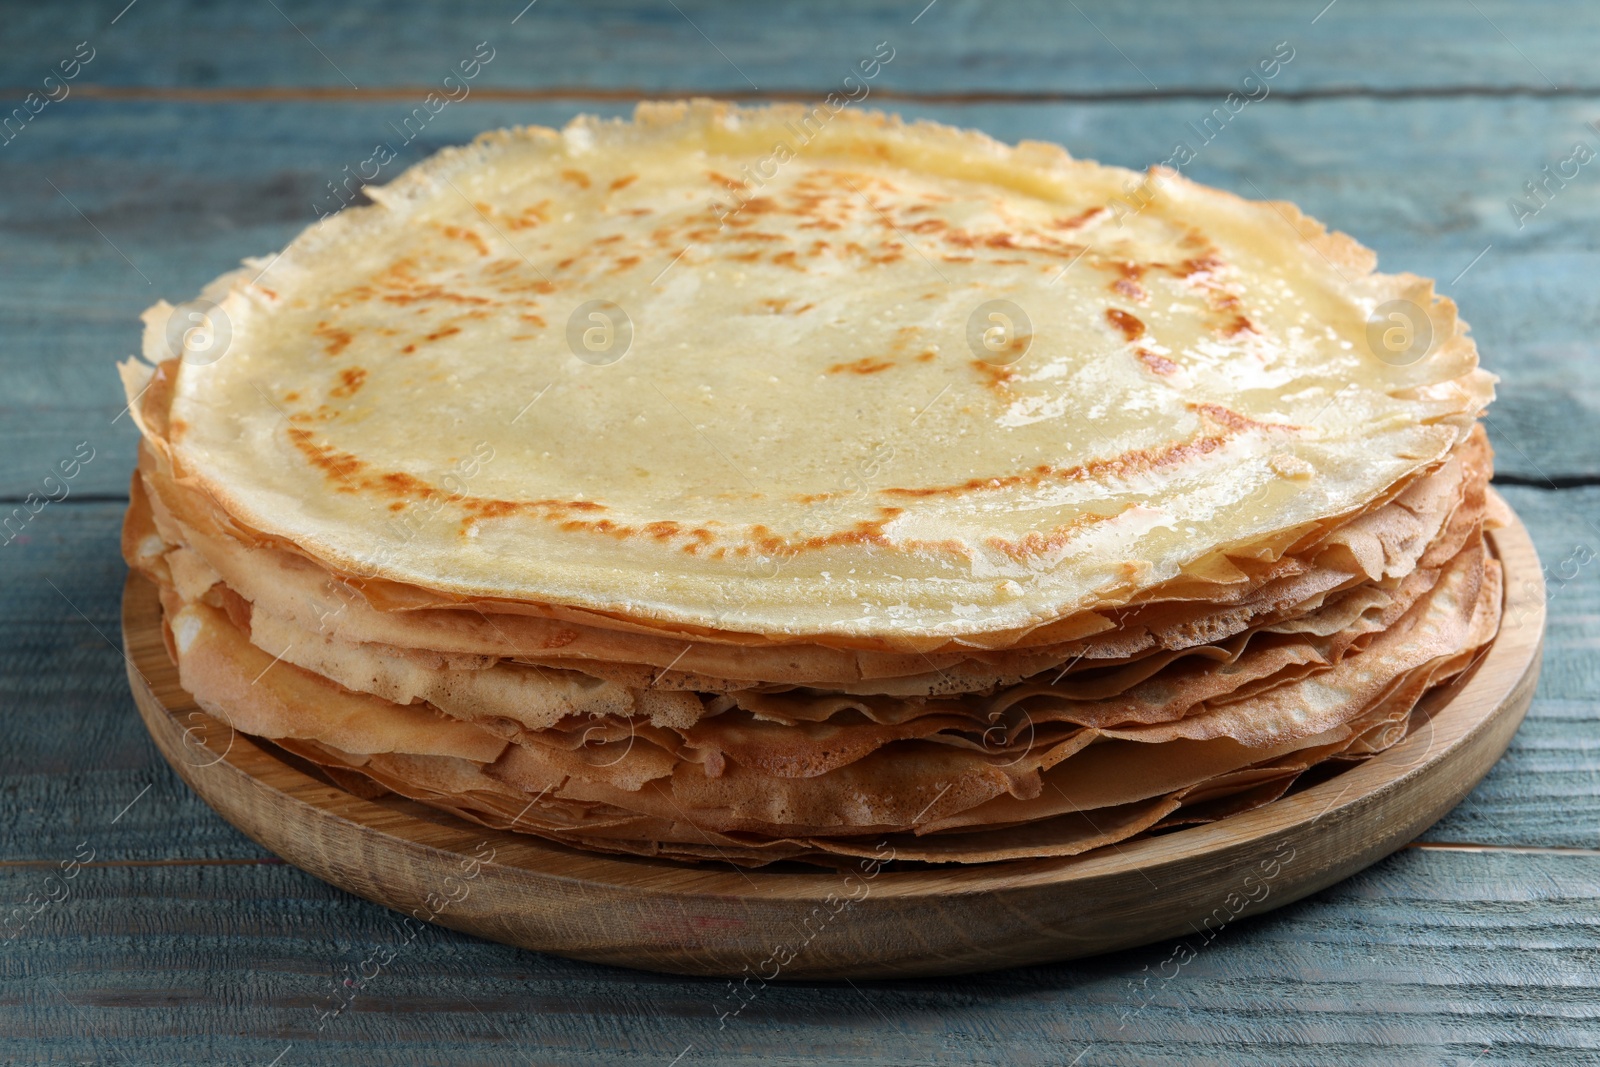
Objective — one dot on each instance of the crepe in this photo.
(382, 369)
(624, 487)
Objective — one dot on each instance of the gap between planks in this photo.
(335, 94)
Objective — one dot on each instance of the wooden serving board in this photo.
(766, 925)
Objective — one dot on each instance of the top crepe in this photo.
(810, 425)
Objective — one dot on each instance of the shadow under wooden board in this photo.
(874, 923)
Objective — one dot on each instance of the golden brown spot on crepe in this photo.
(408, 349)
(323, 413)
(787, 259)
(603, 526)
(335, 340)
(434, 293)
(349, 475)
(1130, 325)
(1240, 324)
(1034, 544)
(1238, 423)
(448, 331)
(624, 181)
(530, 285)
(1199, 266)
(702, 537)
(401, 484)
(1079, 219)
(530, 217)
(1129, 463)
(1156, 362)
(560, 512)
(492, 509)
(1130, 289)
(340, 467)
(537, 320)
(576, 177)
(903, 336)
(291, 396)
(461, 233)
(865, 365)
(995, 375)
(865, 532)
(624, 263)
(351, 379)
(777, 307)
(570, 506)
(663, 531)
(927, 356)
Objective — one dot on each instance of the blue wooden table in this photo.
(166, 139)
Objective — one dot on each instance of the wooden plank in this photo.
(1430, 957)
(76, 752)
(950, 46)
(161, 216)
(74, 756)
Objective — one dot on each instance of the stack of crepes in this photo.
(801, 484)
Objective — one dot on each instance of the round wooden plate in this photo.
(766, 925)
